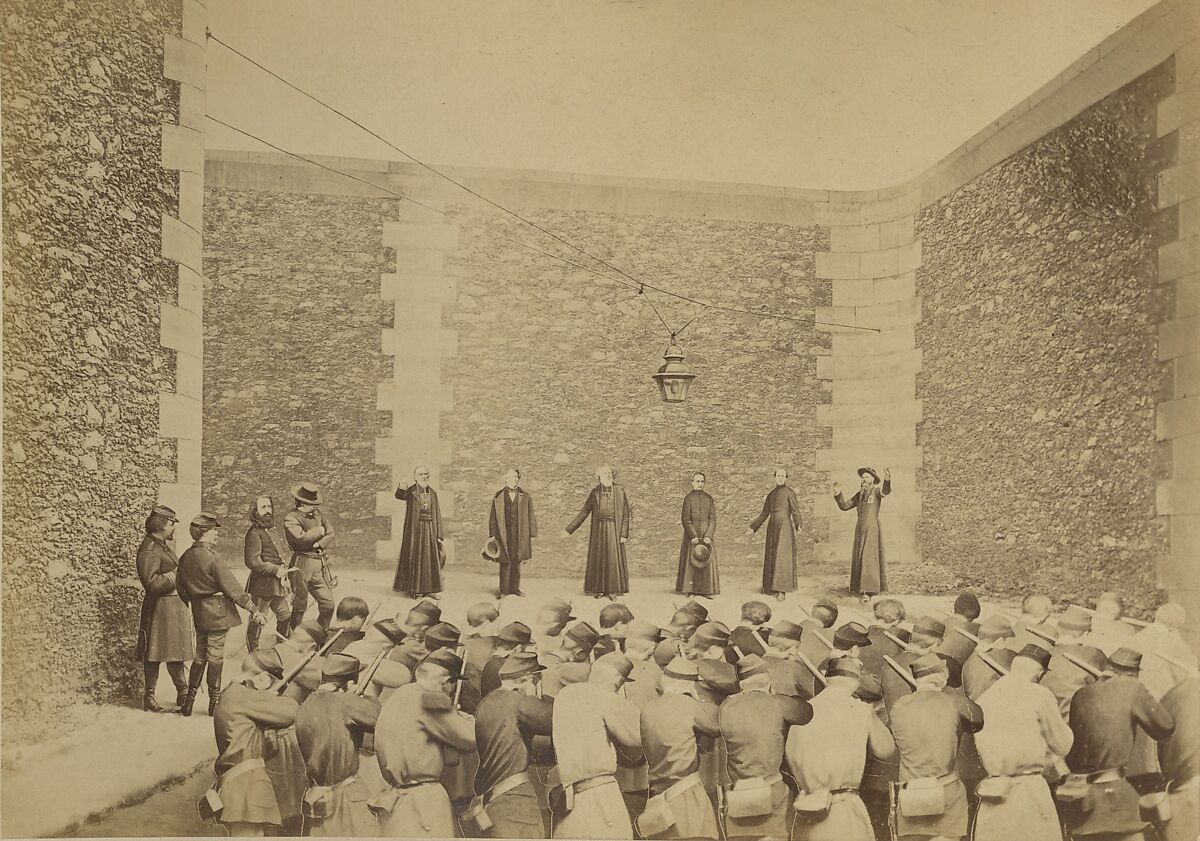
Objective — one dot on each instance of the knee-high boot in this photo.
(214, 685)
(175, 670)
(150, 676)
(195, 675)
(283, 627)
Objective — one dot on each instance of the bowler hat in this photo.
(516, 633)
(518, 664)
(205, 520)
(701, 552)
(306, 494)
(447, 659)
(491, 550)
(391, 629)
(340, 666)
(867, 471)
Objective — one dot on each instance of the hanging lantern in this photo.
(673, 379)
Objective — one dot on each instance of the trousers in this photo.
(312, 581)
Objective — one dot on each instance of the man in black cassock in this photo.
(607, 573)
(696, 576)
(781, 513)
(419, 570)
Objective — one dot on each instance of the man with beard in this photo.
(697, 574)
(419, 569)
(165, 631)
(781, 513)
(514, 527)
(308, 534)
(867, 573)
(607, 571)
(268, 582)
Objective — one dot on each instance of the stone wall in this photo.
(292, 358)
(85, 101)
(1039, 374)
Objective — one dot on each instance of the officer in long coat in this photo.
(330, 726)
(697, 574)
(165, 629)
(419, 568)
(208, 586)
(781, 513)
(513, 524)
(607, 570)
(867, 573)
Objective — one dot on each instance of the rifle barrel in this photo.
(900, 670)
(1082, 664)
(816, 673)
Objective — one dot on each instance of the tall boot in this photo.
(195, 675)
(150, 676)
(214, 686)
(175, 670)
(252, 633)
(283, 627)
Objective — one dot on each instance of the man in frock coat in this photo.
(514, 527)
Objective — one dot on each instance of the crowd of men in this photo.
(1055, 723)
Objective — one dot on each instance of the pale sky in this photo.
(853, 94)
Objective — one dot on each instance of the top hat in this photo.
(306, 494)
(867, 471)
(491, 550)
(701, 552)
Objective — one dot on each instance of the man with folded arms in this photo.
(671, 725)
(1105, 716)
(505, 723)
(827, 758)
(1022, 732)
(594, 728)
(927, 726)
(329, 728)
(416, 725)
(754, 724)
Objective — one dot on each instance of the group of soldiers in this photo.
(1076, 723)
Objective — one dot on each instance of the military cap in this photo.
(641, 629)
(165, 512)
(719, 676)
(843, 667)
(869, 688)
(269, 661)
(696, 609)
(850, 635)
(519, 664)
(682, 668)
(391, 629)
(559, 606)
(205, 520)
(447, 659)
(442, 635)
(1036, 653)
(618, 661)
(710, 634)
(1125, 660)
(584, 634)
(929, 626)
(1075, 618)
(339, 666)
(313, 630)
(424, 613)
(928, 664)
(786, 630)
(995, 627)
(516, 633)
(751, 665)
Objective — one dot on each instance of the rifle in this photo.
(461, 652)
(824, 640)
(364, 679)
(982, 655)
(900, 670)
(291, 673)
(1137, 623)
(903, 645)
(1179, 664)
(1042, 635)
(1082, 664)
(808, 664)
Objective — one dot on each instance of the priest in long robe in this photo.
(419, 571)
(781, 513)
(698, 577)
(867, 574)
(607, 572)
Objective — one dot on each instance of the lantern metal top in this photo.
(673, 378)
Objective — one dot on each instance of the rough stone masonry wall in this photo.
(292, 358)
(553, 366)
(85, 100)
(1039, 376)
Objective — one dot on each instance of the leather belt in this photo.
(1108, 775)
(681, 785)
(414, 784)
(593, 782)
(506, 785)
(844, 790)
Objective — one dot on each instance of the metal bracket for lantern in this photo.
(673, 378)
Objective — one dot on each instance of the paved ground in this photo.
(137, 774)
